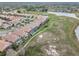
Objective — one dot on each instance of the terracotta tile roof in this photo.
(27, 28)
(4, 45)
(10, 37)
(12, 18)
(13, 36)
(39, 20)
(42, 18)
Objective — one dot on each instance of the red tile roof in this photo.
(4, 45)
(13, 36)
(10, 37)
(12, 18)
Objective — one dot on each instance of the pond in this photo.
(77, 32)
(64, 14)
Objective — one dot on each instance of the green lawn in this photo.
(62, 28)
(69, 24)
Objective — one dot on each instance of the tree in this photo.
(18, 11)
(14, 46)
(2, 53)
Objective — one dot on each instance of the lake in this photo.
(64, 14)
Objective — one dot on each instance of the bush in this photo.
(33, 51)
(14, 46)
(2, 53)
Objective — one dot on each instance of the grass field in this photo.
(59, 33)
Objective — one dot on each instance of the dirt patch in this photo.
(50, 50)
(46, 36)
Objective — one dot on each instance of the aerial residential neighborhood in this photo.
(21, 28)
(39, 29)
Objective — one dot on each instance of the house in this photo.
(37, 23)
